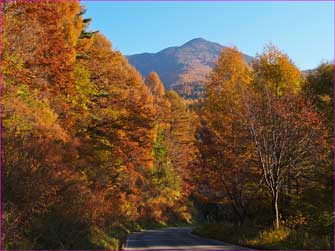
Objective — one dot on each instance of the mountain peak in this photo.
(196, 41)
(183, 68)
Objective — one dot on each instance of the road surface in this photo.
(174, 238)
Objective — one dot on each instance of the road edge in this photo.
(227, 243)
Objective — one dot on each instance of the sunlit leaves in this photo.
(274, 70)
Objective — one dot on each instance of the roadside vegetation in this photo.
(281, 197)
(91, 151)
(257, 237)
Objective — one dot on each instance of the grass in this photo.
(285, 238)
(225, 232)
(256, 237)
(104, 241)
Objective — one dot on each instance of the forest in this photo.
(91, 151)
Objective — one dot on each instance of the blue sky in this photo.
(303, 30)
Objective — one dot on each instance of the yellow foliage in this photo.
(275, 70)
(26, 114)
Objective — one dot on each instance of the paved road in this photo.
(174, 238)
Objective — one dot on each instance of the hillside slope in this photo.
(182, 68)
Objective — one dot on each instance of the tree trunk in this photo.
(276, 210)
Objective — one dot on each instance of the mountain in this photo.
(182, 68)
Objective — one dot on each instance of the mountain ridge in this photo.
(183, 68)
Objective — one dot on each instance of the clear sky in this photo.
(303, 30)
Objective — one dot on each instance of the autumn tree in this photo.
(120, 128)
(182, 145)
(167, 197)
(224, 142)
(161, 103)
(38, 79)
(275, 70)
(287, 133)
(319, 88)
(46, 51)
(154, 84)
(83, 118)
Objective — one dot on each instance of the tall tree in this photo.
(287, 134)
(154, 84)
(181, 136)
(39, 40)
(121, 126)
(225, 142)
